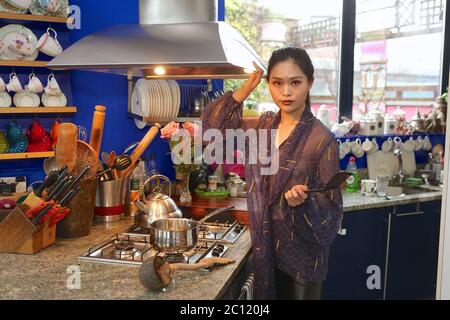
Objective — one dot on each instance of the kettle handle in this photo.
(156, 176)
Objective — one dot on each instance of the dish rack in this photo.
(184, 112)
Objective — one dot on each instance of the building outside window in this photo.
(397, 55)
(398, 49)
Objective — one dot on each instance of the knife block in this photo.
(19, 235)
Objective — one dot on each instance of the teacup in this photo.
(368, 187)
(21, 44)
(409, 145)
(427, 146)
(368, 146)
(49, 45)
(344, 148)
(49, 5)
(387, 145)
(418, 144)
(20, 4)
(34, 84)
(14, 84)
(52, 88)
(2, 85)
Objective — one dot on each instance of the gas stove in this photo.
(226, 233)
(133, 247)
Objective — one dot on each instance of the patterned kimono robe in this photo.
(295, 240)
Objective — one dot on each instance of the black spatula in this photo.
(334, 183)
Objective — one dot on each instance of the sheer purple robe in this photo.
(295, 240)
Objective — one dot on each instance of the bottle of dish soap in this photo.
(352, 182)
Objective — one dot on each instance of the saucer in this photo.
(54, 101)
(5, 100)
(26, 99)
(8, 33)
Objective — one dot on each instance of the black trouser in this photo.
(290, 289)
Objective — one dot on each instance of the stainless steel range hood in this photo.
(185, 43)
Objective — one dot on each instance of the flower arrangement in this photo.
(175, 136)
(182, 146)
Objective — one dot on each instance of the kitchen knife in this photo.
(63, 190)
(69, 197)
(62, 175)
(79, 177)
(49, 181)
(56, 189)
(42, 213)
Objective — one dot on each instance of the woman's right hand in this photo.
(247, 88)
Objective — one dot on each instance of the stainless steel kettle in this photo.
(156, 205)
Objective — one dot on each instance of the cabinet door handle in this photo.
(415, 213)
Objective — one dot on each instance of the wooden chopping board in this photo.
(409, 163)
(382, 163)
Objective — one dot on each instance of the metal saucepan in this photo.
(178, 234)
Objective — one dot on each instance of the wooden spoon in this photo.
(111, 159)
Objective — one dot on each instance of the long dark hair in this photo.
(300, 57)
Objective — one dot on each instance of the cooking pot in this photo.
(178, 235)
(157, 205)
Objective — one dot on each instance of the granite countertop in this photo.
(45, 274)
(357, 201)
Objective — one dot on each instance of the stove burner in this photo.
(124, 249)
(175, 258)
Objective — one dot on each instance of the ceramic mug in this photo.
(345, 147)
(49, 5)
(48, 44)
(367, 146)
(20, 4)
(418, 144)
(21, 44)
(368, 187)
(14, 84)
(356, 146)
(52, 88)
(409, 145)
(34, 84)
(387, 145)
(2, 85)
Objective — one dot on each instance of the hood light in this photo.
(160, 71)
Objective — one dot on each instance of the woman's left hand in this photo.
(297, 195)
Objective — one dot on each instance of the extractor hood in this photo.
(187, 49)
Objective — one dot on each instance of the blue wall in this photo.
(91, 88)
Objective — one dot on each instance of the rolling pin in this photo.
(140, 149)
(98, 122)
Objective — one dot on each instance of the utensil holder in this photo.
(19, 235)
(79, 222)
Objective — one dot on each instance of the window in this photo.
(314, 25)
(397, 55)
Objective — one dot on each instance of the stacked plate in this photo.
(158, 100)
(8, 34)
(58, 8)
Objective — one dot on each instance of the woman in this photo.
(291, 229)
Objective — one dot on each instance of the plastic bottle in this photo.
(352, 182)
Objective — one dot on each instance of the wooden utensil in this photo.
(66, 147)
(85, 156)
(141, 147)
(98, 122)
(111, 159)
(155, 273)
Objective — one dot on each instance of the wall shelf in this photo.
(26, 155)
(40, 110)
(30, 17)
(23, 63)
